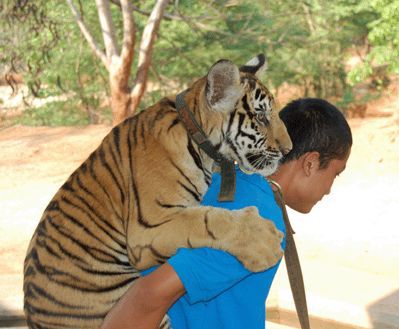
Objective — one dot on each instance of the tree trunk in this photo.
(120, 96)
(120, 104)
(145, 53)
(137, 92)
(124, 100)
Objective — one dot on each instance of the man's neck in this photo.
(284, 175)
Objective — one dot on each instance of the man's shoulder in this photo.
(251, 190)
(254, 181)
(244, 182)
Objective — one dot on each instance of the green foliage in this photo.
(71, 112)
(383, 37)
(307, 44)
(54, 114)
(384, 34)
(43, 42)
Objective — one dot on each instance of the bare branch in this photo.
(166, 16)
(193, 21)
(179, 52)
(145, 55)
(107, 27)
(200, 26)
(129, 36)
(89, 38)
(308, 16)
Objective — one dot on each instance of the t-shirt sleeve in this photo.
(205, 272)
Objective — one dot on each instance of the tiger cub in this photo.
(136, 199)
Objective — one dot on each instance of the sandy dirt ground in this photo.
(356, 227)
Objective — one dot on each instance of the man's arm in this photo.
(146, 302)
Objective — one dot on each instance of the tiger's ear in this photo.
(223, 88)
(256, 65)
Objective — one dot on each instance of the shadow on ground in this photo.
(9, 318)
(382, 314)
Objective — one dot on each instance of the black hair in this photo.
(316, 125)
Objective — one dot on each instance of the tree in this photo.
(118, 62)
(383, 41)
(307, 43)
(24, 18)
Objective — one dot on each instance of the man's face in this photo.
(317, 184)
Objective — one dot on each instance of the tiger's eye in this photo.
(261, 118)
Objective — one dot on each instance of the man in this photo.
(218, 292)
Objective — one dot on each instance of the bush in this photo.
(59, 113)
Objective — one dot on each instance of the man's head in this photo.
(321, 140)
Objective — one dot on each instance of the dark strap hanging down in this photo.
(292, 262)
(227, 170)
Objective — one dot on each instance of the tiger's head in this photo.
(252, 132)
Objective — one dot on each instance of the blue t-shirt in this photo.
(220, 292)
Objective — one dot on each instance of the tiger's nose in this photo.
(284, 149)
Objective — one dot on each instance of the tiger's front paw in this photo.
(258, 241)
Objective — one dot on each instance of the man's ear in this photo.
(223, 88)
(310, 162)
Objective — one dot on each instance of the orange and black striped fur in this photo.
(136, 199)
